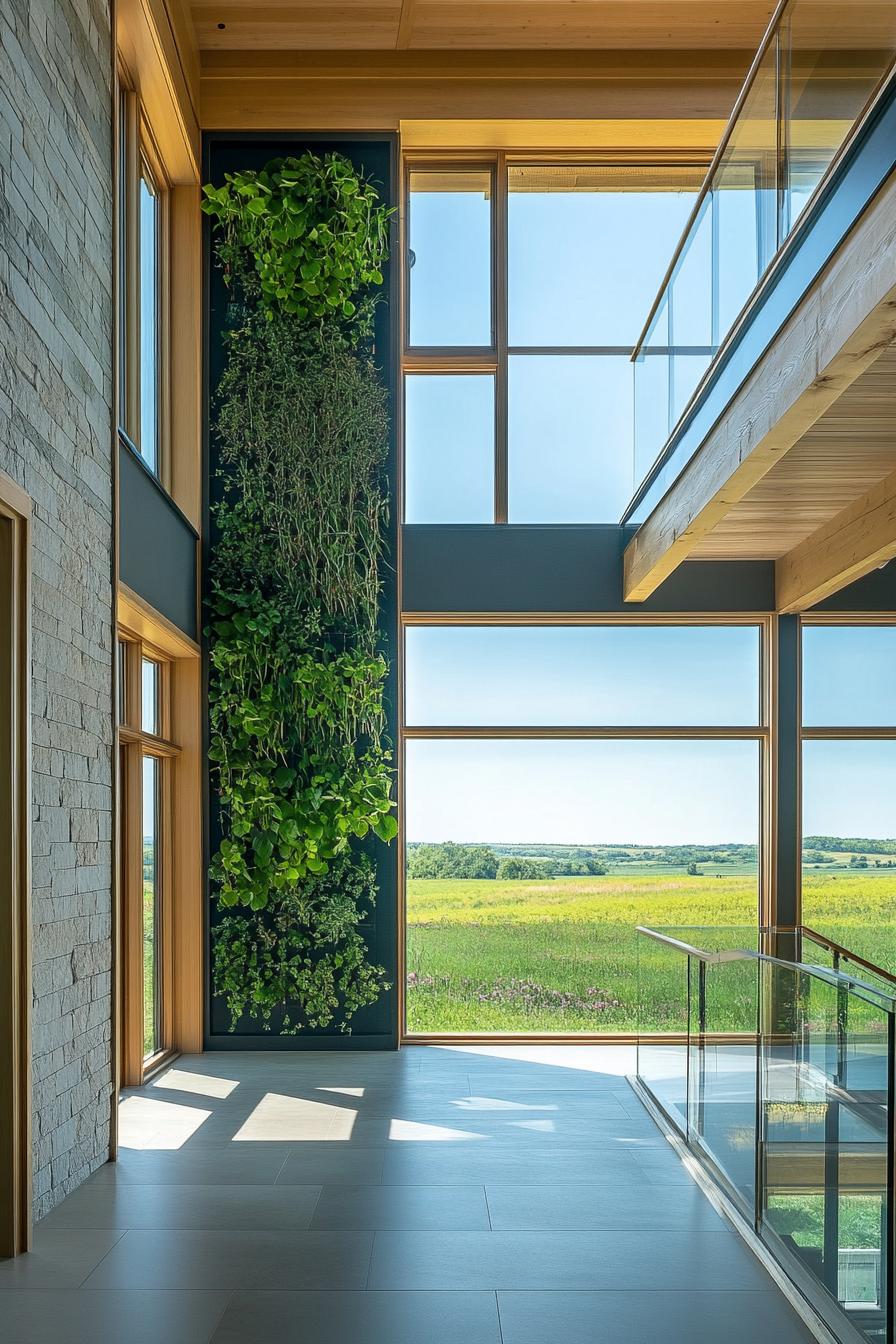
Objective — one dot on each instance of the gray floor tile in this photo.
(596, 1207)
(360, 1318)
(233, 1164)
(566, 1185)
(562, 1260)
(401, 1208)
(701, 1317)
(58, 1260)
(188, 1207)
(285, 1260)
(661, 1166)
(48, 1317)
(332, 1164)
(441, 1125)
(469, 1164)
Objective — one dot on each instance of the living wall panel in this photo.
(375, 1026)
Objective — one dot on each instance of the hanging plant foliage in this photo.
(312, 230)
(298, 747)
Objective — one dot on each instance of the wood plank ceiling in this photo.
(847, 451)
(378, 25)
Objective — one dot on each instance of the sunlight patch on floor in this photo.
(343, 1091)
(415, 1131)
(144, 1123)
(202, 1084)
(279, 1118)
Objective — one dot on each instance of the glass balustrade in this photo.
(780, 1078)
(804, 95)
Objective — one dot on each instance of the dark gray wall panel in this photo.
(876, 592)
(520, 568)
(157, 545)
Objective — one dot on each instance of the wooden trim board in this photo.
(15, 870)
(862, 537)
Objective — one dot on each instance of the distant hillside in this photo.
(838, 844)
(534, 862)
(451, 860)
(617, 853)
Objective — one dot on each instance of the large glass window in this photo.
(142, 268)
(150, 678)
(849, 786)
(849, 676)
(449, 448)
(569, 421)
(450, 257)
(146, 760)
(562, 675)
(151, 914)
(149, 320)
(570, 257)
(539, 836)
(587, 250)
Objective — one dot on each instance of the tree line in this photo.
(450, 860)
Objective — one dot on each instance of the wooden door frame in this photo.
(15, 870)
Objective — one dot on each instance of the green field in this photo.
(562, 955)
(149, 968)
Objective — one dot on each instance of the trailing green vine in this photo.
(298, 746)
(314, 230)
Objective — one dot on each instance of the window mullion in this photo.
(499, 263)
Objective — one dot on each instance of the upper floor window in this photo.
(528, 285)
(148, 304)
(142, 216)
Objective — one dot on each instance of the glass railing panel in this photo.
(652, 390)
(664, 1010)
(691, 312)
(744, 191)
(809, 88)
(825, 1087)
(825, 90)
(723, 1072)
(868, 959)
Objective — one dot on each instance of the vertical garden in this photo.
(298, 576)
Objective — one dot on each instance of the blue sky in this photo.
(639, 792)
(597, 675)
(580, 792)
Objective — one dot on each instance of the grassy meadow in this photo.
(563, 955)
(149, 968)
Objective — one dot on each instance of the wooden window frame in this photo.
(15, 870)
(134, 743)
(763, 733)
(494, 359)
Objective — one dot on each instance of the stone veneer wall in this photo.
(55, 441)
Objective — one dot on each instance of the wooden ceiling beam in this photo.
(682, 67)
(861, 538)
(838, 330)
(405, 24)
(380, 90)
